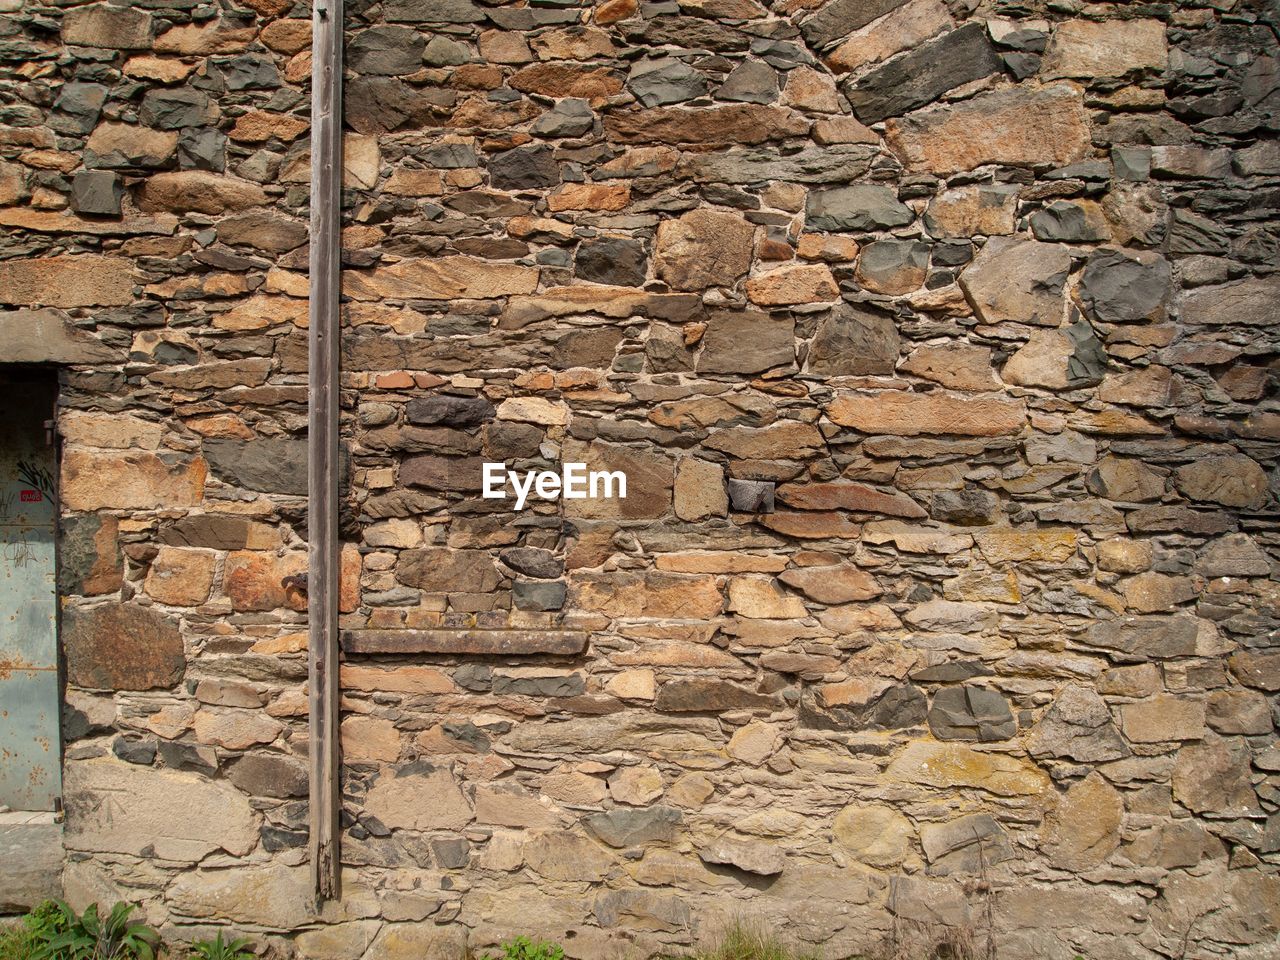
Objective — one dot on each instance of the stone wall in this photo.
(984, 291)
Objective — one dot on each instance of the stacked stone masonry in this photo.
(986, 290)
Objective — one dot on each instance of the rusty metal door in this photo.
(30, 767)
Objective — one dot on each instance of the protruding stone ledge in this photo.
(477, 642)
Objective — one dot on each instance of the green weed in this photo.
(522, 948)
(92, 937)
(746, 942)
(220, 949)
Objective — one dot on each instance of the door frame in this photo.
(52, 374)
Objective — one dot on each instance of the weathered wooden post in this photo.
(322, 448)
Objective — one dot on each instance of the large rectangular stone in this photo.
(444, 278)
(49, 336)
(475, 642)
(1017, 127)
(31, 849)
(837, 163)
(911, 414)
(1250, 302)
(123, 808)
(72, 281)
(59, 221)
(730, 125)
(1145, 638)
(131, 480)
(1111, 48)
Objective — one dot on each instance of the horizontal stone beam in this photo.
(477, 642)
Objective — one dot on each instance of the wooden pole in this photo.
(322, 448)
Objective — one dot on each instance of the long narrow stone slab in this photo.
(477, 642)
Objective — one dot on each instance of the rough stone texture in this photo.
(1081, 48)
(1230, 481)
(1077, 726)
(1250, 302)
(875, 834)
(970, 713)
(854, 340)
(1084, 829)
(419, 802)
(703, 249)
(70, 281)
(914, 414)
(1013, 126)
(700, 490)
(746, 341)
(924, 74)
(180, 577)
(757, 858)
(1019, 281)
(1121, 287)
(936, 342)
(197, 191)
(48, 336)
(966, 211)
(860, 207)
(1068, 357)
(34, 856)
(118, 647)
(122, 808)
(967, 845)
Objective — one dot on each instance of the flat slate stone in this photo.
(216, 531)
(611, 260)
(478, 642)
(97, 192)
(386, 51)
(446, 409)
(532, 595)
(753, 857)
(746, 341)
(831, 164)
(967, 845)
(1120, 286)
(559, 685)
(659, 82)
(862, 206)
(971, 713)
(265, 464)
(625, 828)
(711, 695)
(1145, 638)
(923, 75)
(841, 18)
(686, 33)
(432, 11)
(174, 109)
(751, 81)
(524, 168)
(48, 336)
(568, 118)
